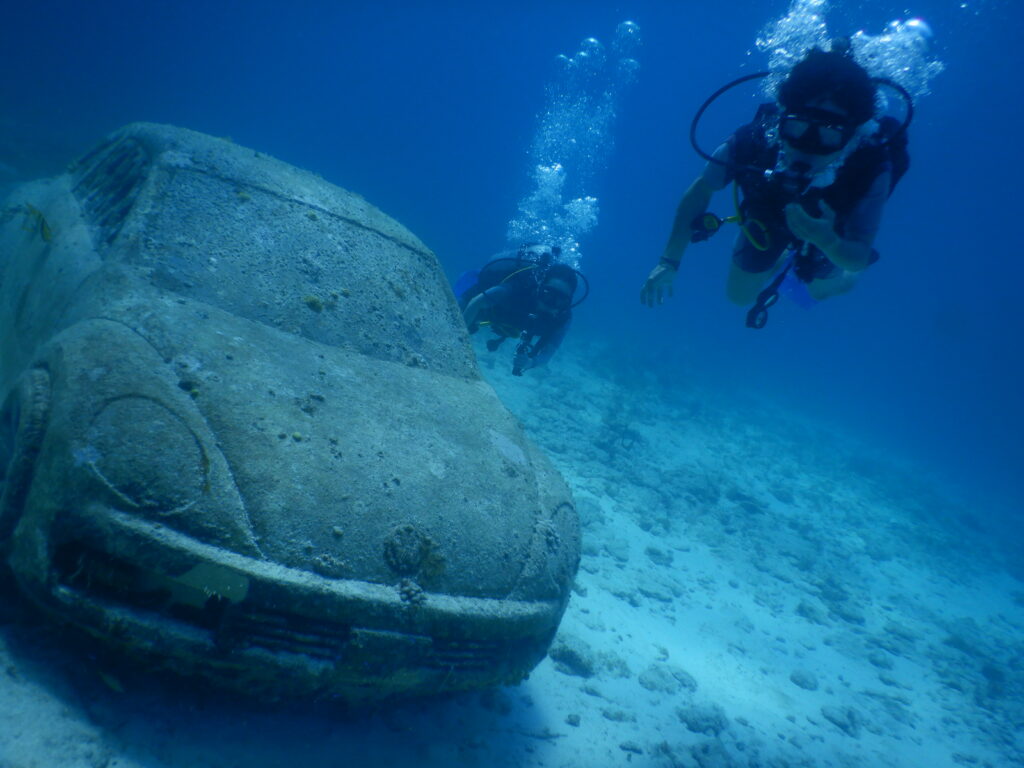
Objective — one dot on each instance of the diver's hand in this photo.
(818, 231)
(657, 284)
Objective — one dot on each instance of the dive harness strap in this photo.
(524, 349)
(757, 315)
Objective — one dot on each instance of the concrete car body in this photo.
(245, 436)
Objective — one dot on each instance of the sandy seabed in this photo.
(755, 591)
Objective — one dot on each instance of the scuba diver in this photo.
(528, 297)
(814, 170)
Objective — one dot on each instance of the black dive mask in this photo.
(815, 131)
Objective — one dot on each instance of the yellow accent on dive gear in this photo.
(745, 223)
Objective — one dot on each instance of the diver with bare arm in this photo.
(810, 174)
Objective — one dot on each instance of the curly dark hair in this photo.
(562, 272)
(832, 75)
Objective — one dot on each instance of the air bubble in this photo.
(573, 142)
(921, 29)
(899, 53)
(593, 47)
(628, 70)
(590, 57)
(627, 38)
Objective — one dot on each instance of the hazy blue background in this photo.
(428, 110)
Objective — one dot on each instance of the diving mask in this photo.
(815, 131)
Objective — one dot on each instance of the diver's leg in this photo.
(834, 285)
(742, 287)
(750, 270)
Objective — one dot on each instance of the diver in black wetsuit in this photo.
(814, 170)
(528, 297)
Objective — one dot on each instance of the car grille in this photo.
(107, 181)
(234, 626)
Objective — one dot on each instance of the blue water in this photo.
(429, 110)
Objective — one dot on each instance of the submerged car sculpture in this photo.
(244, 435)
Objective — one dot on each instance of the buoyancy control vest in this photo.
(765, 194)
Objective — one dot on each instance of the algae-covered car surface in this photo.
(244, 435)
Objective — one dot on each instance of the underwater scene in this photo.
(528, 385)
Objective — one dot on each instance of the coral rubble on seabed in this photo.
(754, 591)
